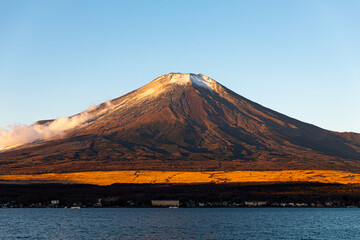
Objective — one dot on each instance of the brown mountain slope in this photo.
(186, 122)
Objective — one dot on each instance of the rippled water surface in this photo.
(180, 223)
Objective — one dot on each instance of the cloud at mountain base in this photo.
(22, 134)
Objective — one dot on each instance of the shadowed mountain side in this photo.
(190, 123)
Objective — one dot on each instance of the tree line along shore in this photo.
(195, 195)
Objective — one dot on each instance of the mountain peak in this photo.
(178, 121)
(195, 79)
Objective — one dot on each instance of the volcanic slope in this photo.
(186, 122)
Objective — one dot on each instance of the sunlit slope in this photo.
(158, 177)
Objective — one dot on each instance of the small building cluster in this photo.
(165, 203)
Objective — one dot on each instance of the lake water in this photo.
(238, 223)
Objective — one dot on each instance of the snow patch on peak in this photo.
(202, 81)
(180, 78)
(195, 79)
(198, 80)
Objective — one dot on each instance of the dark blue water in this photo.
(180, 224)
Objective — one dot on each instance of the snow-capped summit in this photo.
(196, 79)
(180, 78)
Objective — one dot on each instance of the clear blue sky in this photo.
(301, 58)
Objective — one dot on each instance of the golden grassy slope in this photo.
(110, 177)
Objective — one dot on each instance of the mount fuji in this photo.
(182, 122)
